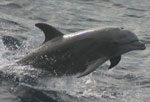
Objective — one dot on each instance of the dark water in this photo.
(128, 82)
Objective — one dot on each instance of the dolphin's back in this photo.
(62, 55)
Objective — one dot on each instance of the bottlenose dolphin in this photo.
(81, 52)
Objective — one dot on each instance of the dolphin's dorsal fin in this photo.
(114, 61)
(92, 67)
(49, 31)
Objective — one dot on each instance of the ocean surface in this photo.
(129, 81)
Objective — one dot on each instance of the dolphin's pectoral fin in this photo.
(92, 67)
(49, 31)
(114, 61)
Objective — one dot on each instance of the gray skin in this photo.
(81, 52)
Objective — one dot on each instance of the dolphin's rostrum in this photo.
(81, 52)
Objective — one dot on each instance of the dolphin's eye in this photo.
(115, 43)
(121, 28)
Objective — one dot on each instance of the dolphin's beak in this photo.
(138, 45)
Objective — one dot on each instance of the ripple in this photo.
(146, 41)
(95, 20)
(135, 9)
(134, 16)
(11, 5)
(119, 5)
(38, 18)
(8, 25)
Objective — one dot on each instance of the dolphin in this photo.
(81, 53)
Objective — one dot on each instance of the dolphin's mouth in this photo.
(138, 45)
